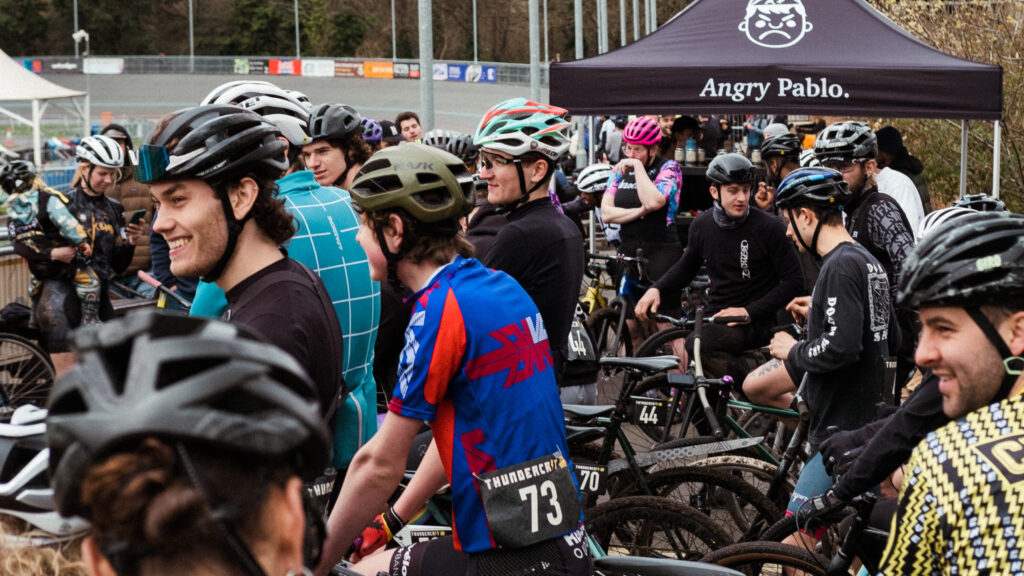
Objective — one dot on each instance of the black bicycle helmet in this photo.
(786, 146)
(730, 169)
(978, 261)
(463, 147)
(209, 141)
(181, 379)
(430, 184)
(819, 187)
(25, 491)
(848, 141)
(334, 122)
(981, 203)
(17, 176)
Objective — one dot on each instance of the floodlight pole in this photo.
(191, 42)
(298, 46)
(426, 65)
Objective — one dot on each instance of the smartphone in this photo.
(136, 216)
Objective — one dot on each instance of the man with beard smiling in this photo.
(752, 266)
(959, 508)
(212, 172)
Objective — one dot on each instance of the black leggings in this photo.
(566, 555)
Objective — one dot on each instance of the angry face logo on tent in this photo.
(775, 23)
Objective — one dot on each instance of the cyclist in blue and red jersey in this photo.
(642, 196)
(478, 369)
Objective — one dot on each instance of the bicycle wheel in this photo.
(604, 326)
(660, 343)
(26, 373)
(768, 558)
(653, 526)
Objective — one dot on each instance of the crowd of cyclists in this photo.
(361, 291)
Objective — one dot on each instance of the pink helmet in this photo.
(642, 130)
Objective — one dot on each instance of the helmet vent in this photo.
(174, 371)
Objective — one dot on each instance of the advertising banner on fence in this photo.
(348, 69)
(31, 65)
(478, 73)
(93, 65)
(60, 67)
(318, 68)
(440, 71)
(407, 70)
(456, 72)
(258, 66)
(241, 66)
(379, 69)
(285, 67)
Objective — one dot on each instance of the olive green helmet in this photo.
(432, 185)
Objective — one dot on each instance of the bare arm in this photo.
(375, 472)
(615, 215)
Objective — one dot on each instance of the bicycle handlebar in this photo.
(687, 323)
(616, 258)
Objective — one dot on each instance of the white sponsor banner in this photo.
(94, 65)
(318, 68)
(440, 71)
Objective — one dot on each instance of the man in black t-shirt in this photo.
(520, 141)
(222, 221)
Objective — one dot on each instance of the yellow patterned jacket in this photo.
(961, 509)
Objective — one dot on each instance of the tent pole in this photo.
(636, 20)
(997, 134)
(622, 22)
(963, 158)
(590, 155)
(37, 136)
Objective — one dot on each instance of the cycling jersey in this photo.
(325, 242)
(480, 371)
(657, 227)
(103, 220)
(877, 221)
(847, 341)
(39, 221)
(959, 508)
(543, 250)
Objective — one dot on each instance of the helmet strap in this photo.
(525, 197)
(1011, 375)
(391, 257)
(227, 531)
(812, 249)
(235, 227)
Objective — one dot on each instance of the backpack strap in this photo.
(264, 282)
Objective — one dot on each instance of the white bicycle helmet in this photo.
(594, 178)
(808, 159)
(100, 151)
(439, 138)
(25, 491)
(519, 126)
(935, 220)
(282, 108)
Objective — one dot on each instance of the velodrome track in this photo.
(457, 105)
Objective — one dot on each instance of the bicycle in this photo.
(609, 324)
(597, 268)
(828, 561)
(26, 373)
(727, 500)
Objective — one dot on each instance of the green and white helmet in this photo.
(519, 126)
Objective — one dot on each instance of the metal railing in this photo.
(507, 73)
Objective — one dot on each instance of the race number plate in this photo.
(411, 534)
(530, 502)
(649, 411)
(593, 478)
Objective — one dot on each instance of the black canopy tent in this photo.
(780, 56)
(830, 57)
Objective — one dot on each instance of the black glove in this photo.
(813, 509)
(839, 451)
